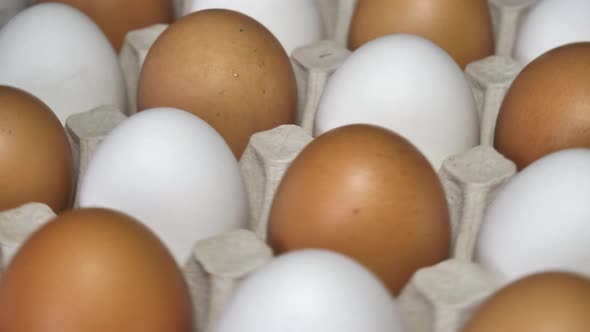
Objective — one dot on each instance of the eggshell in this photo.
(550, 24)
(94, 270)
(462, 28)
(172, 171)
(224, 67)
(310, 290)
(540, 115)
(294, 23)
(117, 17)
(368, 193)
(409, 85)
(35, 157)
(539, 220)
(59, 55)
(548, 302)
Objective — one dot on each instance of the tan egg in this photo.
(35, 157)
(94, 270)
(224, 67)
(545, 302)
(547, 107)
(117, 17)
(463, 28)
(365, 192)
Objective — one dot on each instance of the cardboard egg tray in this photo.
(438, 298)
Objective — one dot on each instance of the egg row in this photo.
(470, 179)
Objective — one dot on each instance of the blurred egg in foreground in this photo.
(310, 290)
(94, 270)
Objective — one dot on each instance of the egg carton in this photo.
(439, 298)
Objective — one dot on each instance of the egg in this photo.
(549, 24)
(310, 290)
(539, 220)
(117, 17)
(366, 192)
(462, 28)
(172, 171)
(539, 115)
(224, 67)
(59, 55)
(548, 302)
(409, 85)
(35, 157)
(294, 23)
(94, 270)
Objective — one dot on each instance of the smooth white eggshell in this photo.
(294, 23)
(406, 84)
(541, 219)
(309, 291)
(550, 24)
(58, 54)
(172, 171)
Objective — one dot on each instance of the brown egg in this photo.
(94, 270)
(35, 158)
(368, 193)
(545, 302)
(547, 107)
(463, 28)
(227, 69)
(117, 17)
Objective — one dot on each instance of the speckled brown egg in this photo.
(547, 107)
(224, 67)
(545, 302)
(94, 270)
(366, 192)
(117, 17)
(463, 28)
(35, 157)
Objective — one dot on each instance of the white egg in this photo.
(550, 24)
(541, 219)
(406, 84)
(310, 291)
(58, 54)
(172, 171)
(294, 23)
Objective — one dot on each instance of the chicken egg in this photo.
(35, 157)
(550, 24)
(462, 28)
(59, 55)
(310, 290)
(172, 171)
(539, 220)
(540, 115)
(366, 192)
(547, 302)
(409, 85)
(227, 69)
(94, 270)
